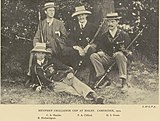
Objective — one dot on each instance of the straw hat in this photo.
(49, 5)
(80, 10)
(113, 16)
(40, 47)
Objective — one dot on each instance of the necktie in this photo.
(82, 26)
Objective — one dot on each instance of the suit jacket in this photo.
(50, 70)
(50, 37)
(82, 37)
(109, 45)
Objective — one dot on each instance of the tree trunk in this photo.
(100, 9)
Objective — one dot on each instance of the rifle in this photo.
(94, 37)
(42, 40)
(110, 67)
(40, 27)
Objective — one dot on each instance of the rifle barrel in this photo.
(100, 26)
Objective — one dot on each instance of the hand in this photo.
(76, 47)
(51, 70)
(114, 55)
(80, 50)
(58, 33)
(70, 69)
(86, 48)
(130, 53)
(101, 53)
(93, 46)
(70, 75)
(127, 52)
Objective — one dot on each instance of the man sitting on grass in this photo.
(49, 73)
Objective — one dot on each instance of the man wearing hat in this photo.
(111, 46)
(51, 31)
(82, 31)
(52, 74)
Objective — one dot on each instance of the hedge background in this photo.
(20, 20)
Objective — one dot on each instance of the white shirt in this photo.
(40, 62)
(113, 32)
(50, 21)
(82, 25)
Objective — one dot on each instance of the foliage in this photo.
(19, 24)
(137, 14)
(20, 20)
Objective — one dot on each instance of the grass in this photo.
(142, 79)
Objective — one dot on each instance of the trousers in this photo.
(73, 86)
(99, 63)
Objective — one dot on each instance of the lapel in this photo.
(112, 39)
(78, 27)
(87, 27)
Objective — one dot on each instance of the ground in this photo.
(142, 79)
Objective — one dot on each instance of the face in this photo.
(50, 12)
(82, 18)
(112, 24)
(40, 55)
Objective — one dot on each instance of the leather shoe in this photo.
(100, 100)
(95, 97)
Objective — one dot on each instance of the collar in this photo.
(112, 39)
(113, 33)
(40, 62)
(49, 21)
(83, 24)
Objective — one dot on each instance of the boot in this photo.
(96, 98)
(120, 83)
(125, 86)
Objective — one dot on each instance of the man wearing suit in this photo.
(82, 32)
(111, 48)
(52, 74)
(51, 31)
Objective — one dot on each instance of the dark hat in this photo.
(113, 16)
(49, 5)
(80, 10)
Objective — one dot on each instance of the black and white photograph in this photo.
(80, 52)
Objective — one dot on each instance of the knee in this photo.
(120, 56)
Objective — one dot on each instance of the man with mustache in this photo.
(111, 46)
